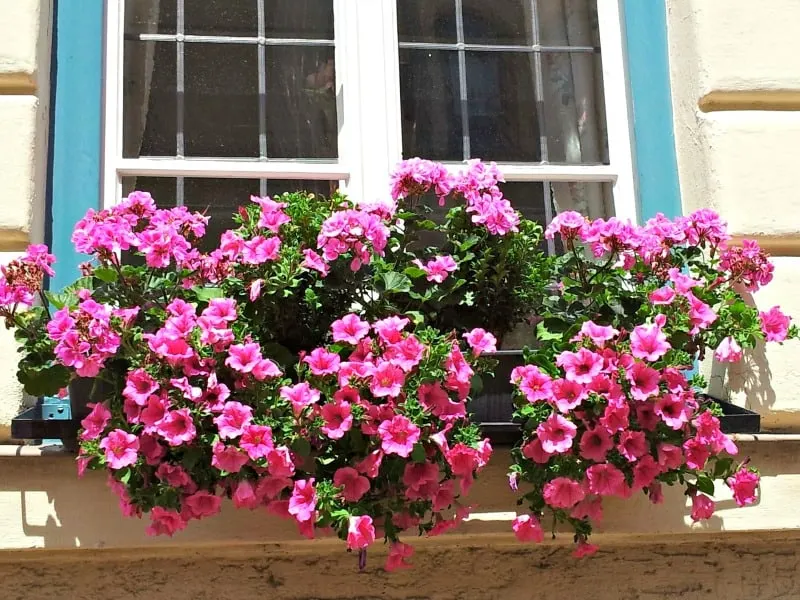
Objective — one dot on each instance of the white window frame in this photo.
(368, 107)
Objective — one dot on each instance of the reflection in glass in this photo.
(431, 21)
(221, 100)
(568, 23)
(498, 22)
(307, 19)
(221, 17)
(301, 103)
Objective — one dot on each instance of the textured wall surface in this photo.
(24, 76)
(736, 97)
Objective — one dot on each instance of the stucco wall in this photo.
(24, 90)
(736, 97)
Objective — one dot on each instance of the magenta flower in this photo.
(581, 366)
(700, 314)
(256, 440)
(200, 505)
(568, 224)
(774, 324)
(301, 395)
(164, 521)
(245, 495)
(121, 449)
(338, 420)
(644, 381)
(673, 410)
(438, 268)
(94, 424)
(595, 444)
(697, 453)
(563, 492)
(406, 354)
(728, 351)
(528, 529)
(534, 384)
(567, 395)
(606, 480)
(481, 341)
(350, 329)
(227, 458)
(315, 262)
(661, 296)
(390, 329)
(744, 484)
(632, 445)
(353, 485)
(398, 435)
(387, 380)
(648, 342)
(177, 427)
(644, 472)
(244, 357)
(556, 434)
(139, 385)
(670, 457)
(399, 553)
(303, 502)
(234, 418)
(597, 333)
(360, 532)
(702, 507)
(322, 362)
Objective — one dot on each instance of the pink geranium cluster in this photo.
(358, 231)
(21, 281)
(477, 185)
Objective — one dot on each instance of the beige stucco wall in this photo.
(24, 96)
(736, 100)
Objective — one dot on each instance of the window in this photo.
(208, 101)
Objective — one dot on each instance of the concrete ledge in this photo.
(17, 84)
(44, 505)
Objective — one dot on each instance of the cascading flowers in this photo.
(605, 403)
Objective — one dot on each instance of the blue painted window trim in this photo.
(651, 104)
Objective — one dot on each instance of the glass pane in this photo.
(595, 200)
(308, 19)
(568, 23)
(430, 105)
(221, 17)
(498, 22)
(502, 126)
(150, 17)
(426, 21)
(149, 99)
(221, 100)
(574, 108)
(301, 103)
(218, 198)
(527, 197)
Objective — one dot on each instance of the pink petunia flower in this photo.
(322, 362)
(177, 427)
(673, 410)
(481, 341)
(234, 418)
(164, 521)
(581, 366)
(398, 435)
(597, 333)
(301, 395)
(527, 528)
(595, 444)
(256, 440)
(644, 381)
(121, 449)
(744, 484)
(563, 492)
(728, 350)
(227, 458)
(360, 532)
(200, 505)
(534, 384)
(387, 380)
(338, 419)
(438, 268)
(702, 507)
(632, 445)
(353, 485)
(390, 329)
(350, 329)
(95, 423)
(556, 434)
(303, 502)
(399, 553)
(605, 480)
(648, 342)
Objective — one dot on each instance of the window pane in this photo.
(221, 17)
(574, 108)
(150, 100)
(498, 22)
(430, 105)
(568, 23)
(502, 105)
(307, 19)
(426, 21)
(218, 198)
(150, 17)
(301, 103)
(221, 100)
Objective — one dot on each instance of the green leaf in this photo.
(414, 272)
(126, 476)
(204, 294)
(395, 282)
(280, 354)
(418, 453)
(705, 484)
(722, 466)
(106, 274)
(545, 335)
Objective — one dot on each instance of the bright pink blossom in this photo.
(744, 484)
(338, 419)
(387, 380)
(256, 440)
(94, 424)
(481, 341)
(774, 324)
(632, 445)
(556, 434)
(121, 449)
(227, 458)
(234, 418)
(532, 382)
(353, 485)
(398, 435)
(563, 492)
(303, 502)
(597, 333)
(581, 366)
(200, 505)
(728, 350)
(301, 395)
(322, 362)
(648, 342)
(360, 532)
(605, 480)
(177, 427)
(527, 529)
(702, 507)
(164, 521)
(350, 329)
(595, 444)
(438, 268)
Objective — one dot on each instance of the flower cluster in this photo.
(371, 439)
(606, 407)
(21, 280)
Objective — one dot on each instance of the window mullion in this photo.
(366, 37)
(111, 184)
(618, 119)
